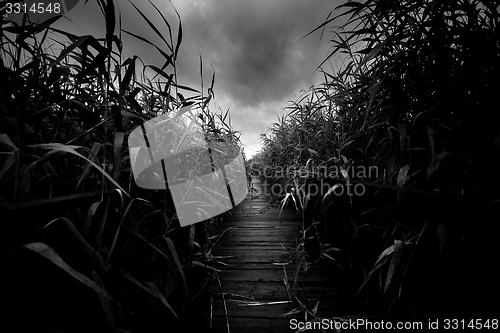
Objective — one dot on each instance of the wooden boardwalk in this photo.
(250, 294)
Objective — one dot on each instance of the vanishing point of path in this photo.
(257, 288)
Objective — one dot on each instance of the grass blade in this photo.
(165, 55)
(96, 256)
(71, 149)
(156, 292)
(132, 279)
(105, 302)
(179, 36)
(4, 138)
(9, 162)
(152, 26)
(47, 252)
(177, 262)
(128, 75)
(197, 263)
(396, 257)
(119, 137)
(95, 149)
(153, 289)
(164, 21)
(109, 14)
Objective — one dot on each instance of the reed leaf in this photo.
(171, 247)
(47, 252)
(157, 293)
(94, 255)
(58, 147)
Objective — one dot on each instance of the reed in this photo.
(67, 106)
(412, 99)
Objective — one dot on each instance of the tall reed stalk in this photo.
(73, 218)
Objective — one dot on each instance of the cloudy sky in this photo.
(256, 47)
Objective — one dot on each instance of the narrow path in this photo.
(256, 247)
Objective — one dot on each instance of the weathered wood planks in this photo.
(255, 258)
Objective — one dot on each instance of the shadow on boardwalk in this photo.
(257, 245)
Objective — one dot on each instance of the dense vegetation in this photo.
(83, 247)
(409, 124)
(415, 102)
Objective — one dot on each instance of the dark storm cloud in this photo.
(257, 51)
(255, 47)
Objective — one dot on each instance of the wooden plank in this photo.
(264, 211)
(263, 235)
(271, 308)
(264, 224)
(263, 207)
(232, 264)
(258, 242)
(256, 268)
(272, 227)
(262, 232)
(258, 239)
(275, 209)
(251, 205)
(247, 251)
(240, 308)
(242, 261)
(235, 263)
(237, 325)
(266, 216)
(267, 275)
(268, 247)
(253, 262)
(245, 231)
(271, 231)
(249, 202)
(276, 290)
(245, 248)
